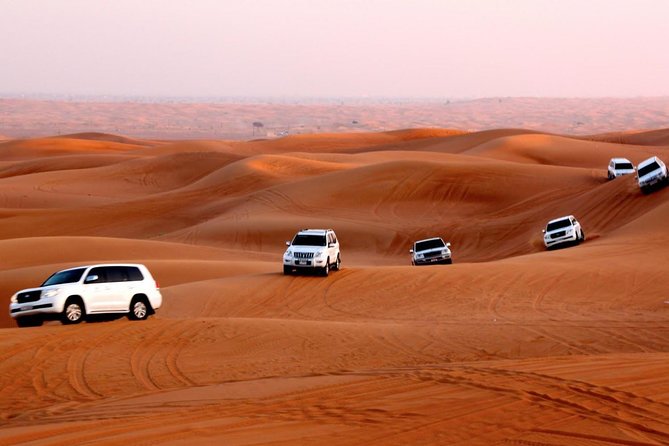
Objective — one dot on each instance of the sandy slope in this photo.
(510, 345)
(658, 137)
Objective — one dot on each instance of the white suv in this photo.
(73, 293)
(619, 167)
(651, 172)
(431, 251)
(563, 230)
(312, 249)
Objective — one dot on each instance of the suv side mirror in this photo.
(448, 245)
(92, 278)
(287, 243)
(543, 230)
(411, 251)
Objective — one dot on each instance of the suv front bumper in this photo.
(41, 306)
(43, 310)
(652, 181)
(569, 238)
(304, 263)
(438, 260)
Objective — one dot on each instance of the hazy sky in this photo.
(333, 48)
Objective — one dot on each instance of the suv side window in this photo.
(116, 274)
(123, 274)
(134, 274)
(99, 272)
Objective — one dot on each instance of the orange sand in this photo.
(510, 345)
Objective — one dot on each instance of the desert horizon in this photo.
(257, 118)
(511, 344)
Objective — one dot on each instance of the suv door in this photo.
(333, 246)
(122, 282)
(97, 292)
(575, 225)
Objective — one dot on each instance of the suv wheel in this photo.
(139, 309)
(29, 321)
(287, 270)
(73, 311)
(326, 269)
(337, 265)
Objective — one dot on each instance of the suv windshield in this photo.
(309, 240)
(624, 166)
(649, 168)
(558, 224)
(69, 276)
(429, 244)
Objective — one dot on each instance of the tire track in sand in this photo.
(602, 404)
(140, 359)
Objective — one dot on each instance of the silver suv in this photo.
(651, 173)
(312, 249)
(72, 294)
(431, 251)
(563, 230)
(618, 167)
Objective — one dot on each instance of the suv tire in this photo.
(287, 270)
(325, 271)
(74, 311)
(139, 309)
(337, 265)
(29, 321)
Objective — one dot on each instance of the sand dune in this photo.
(512, 344)
(97, 136)
(658, 137)
(544, 149)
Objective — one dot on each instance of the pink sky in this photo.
(334, 48)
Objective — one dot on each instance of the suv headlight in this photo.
(288, 253)
(51, 293)
(444, 252)
(420, 256)
(318, 254)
